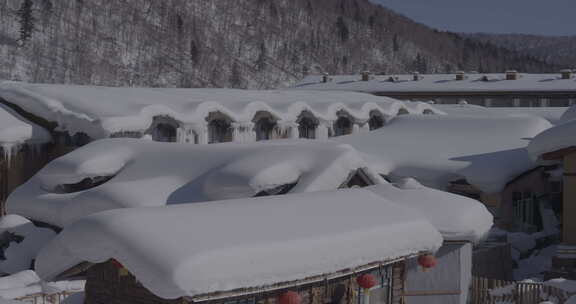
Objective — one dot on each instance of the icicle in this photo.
(322, 131)
(243, 132)
(8, 149)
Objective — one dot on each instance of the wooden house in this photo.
(508, 89)
(558, 145)
(346, 246)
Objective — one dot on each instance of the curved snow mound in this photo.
(281, 234)
(101, 111)
(118, 173)
(458, 218)
(559, 137)
(438, 149)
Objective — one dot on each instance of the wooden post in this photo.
(569, 201)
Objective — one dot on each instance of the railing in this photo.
(488, 291)
(44, 298)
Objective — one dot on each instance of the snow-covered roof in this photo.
(15, 130)
(439, 83)
(101, 111)
(553, 114)
(147, 173)
(437, 149)
(19, 254)
(570, 114)
(196, 249)
(458, 218)
(559, 137)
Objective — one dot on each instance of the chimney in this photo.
(460, 75)
(325, 78)
(566, 74)
(512, 75)
(366, 76)
(416, 76)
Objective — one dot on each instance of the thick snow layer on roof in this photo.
(441, 83)
(554, 139)
(570, 114)
(458, 218)
(552, 114)
(15, 130)
(201, 248)
(437, 149)
(147, 173)
(101, 111)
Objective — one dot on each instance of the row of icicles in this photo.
(366, 281)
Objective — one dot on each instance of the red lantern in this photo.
(289, 297)
(427, 261)
(117, 264)
(367, 281)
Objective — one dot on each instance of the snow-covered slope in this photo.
(458, 218)
(101, 111)
(196, 249)
(146, 173)
(487, 151)
(441, 83)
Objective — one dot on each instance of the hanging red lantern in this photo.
(289, 297)
(116, 263)
(367, 281)
(427, 261)
(122, 271)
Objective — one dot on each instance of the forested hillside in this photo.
(556, 50)
(224, 43)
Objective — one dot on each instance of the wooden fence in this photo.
(43, 298)
(488, 291)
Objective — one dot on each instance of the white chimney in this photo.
(460, 75)
(366, 75)
(566, 74)
(512, 75)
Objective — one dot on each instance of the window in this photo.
(165, 133)
(85, 184)
(376, 121)
(279, 190)
(343, 125)
(357, 179)
(219, 128)
(264, 125)
(307, 125)
(264, 129)
(525, 208)
(382, 292)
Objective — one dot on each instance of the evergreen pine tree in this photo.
(26, 20)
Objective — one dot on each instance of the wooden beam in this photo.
(559, 154)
